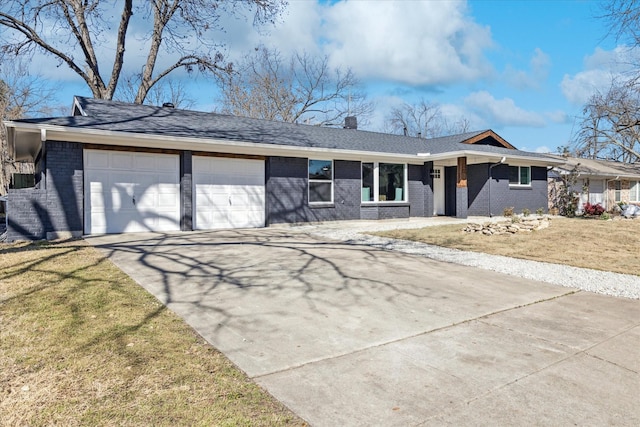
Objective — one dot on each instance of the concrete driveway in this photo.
(351, 335)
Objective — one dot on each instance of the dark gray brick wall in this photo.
(462, 203)
(287, 192)
(186, 191)
(27, 216)
(347, 190)
(389, 212)
(55, 207)
(478, 190)
(428, 189)
(64, 187)
(531, 198)
(417, 190)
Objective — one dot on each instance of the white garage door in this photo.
(130, 192)
(229, 193)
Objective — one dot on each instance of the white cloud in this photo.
(534, 77)
(416, 43)
(298, 29)
(601, 69)
(543, 149)
(501, 112)
(557, 116)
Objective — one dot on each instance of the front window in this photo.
(320, 181)
(618, 191)
(384, 182)
(635, 191)
(520, 175)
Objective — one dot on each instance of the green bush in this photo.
(526, 212)
(540, 211)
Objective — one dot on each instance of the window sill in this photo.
(386, 203)
(519, 187)
(320, 205)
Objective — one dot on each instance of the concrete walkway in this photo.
(348, 334)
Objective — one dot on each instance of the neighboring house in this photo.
(598, 181)
(113, 167)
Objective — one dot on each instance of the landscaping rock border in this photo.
(516, 225)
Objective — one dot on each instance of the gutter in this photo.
(118, 138)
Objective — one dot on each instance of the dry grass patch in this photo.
(601, 245)
(82, 344)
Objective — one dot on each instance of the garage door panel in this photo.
(126, 192)
(121, 161)
(97, 160)
(229, 193)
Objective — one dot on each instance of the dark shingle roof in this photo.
(144, 119)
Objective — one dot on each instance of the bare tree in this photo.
(302, 88)
(622, 18)
(21, 95)
(77, 33)
(167, 90)
(423, 119)
(610, 127)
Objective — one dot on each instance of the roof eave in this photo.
(142, 140)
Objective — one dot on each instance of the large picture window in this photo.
(320, 181)
(520, 175)
(384, 182)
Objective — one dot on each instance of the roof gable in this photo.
(490, 138)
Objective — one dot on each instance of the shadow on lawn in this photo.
(54, 284)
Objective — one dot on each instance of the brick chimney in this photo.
(351, 122)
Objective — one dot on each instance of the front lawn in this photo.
(591, 243)
(82, 344)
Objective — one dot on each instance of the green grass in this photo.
(82, 344)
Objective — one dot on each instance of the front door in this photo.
(438, 190)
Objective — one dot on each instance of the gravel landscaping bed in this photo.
(603, 282)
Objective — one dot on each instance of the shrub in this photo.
(593, 210)
(526, 212)
(507, 211)
(605, 216)
(540, 211)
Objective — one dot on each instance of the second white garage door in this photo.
(229, 193)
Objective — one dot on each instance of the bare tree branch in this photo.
(610, 127)
(423, 119)
(182, 28)
(304, 88)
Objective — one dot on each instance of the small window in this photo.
(635, 191)
(618, 191)
(520, 175)
(320, 181)
(384, 182)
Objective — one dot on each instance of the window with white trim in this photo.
(320, 181)
(384, 182)
(634, 192)
(520, 176)
(617, 191)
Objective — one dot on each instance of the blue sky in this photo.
(521, 68)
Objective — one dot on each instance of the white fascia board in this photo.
(495, 158)
(116, 138)
(130, 139)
